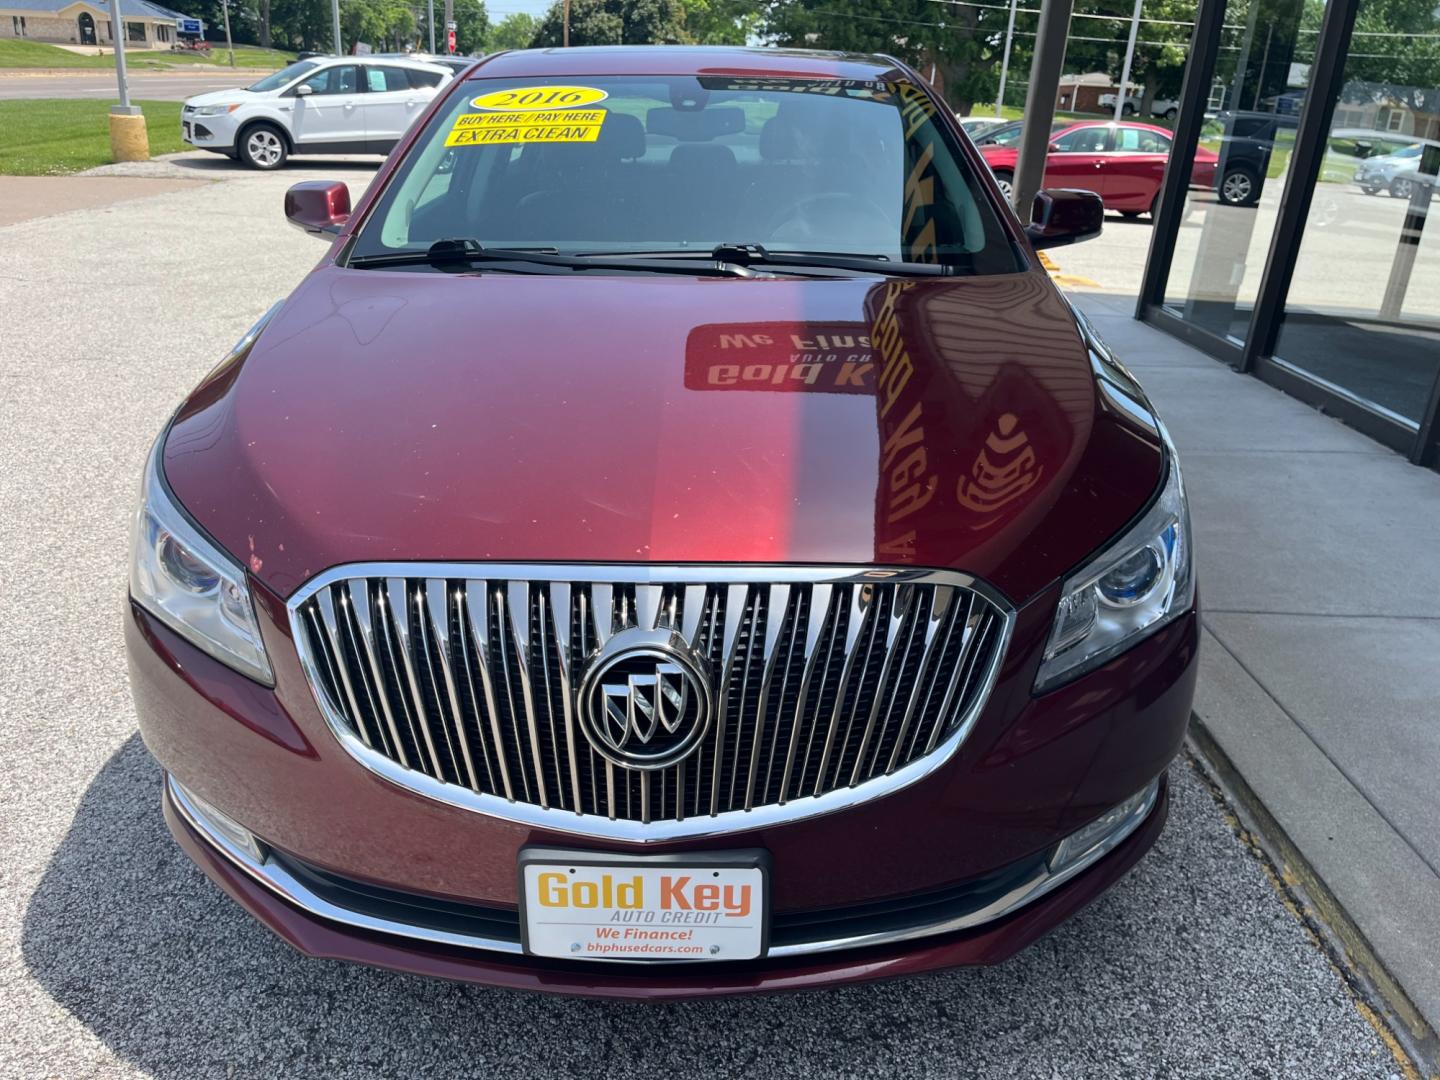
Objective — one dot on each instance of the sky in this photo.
(498, 9)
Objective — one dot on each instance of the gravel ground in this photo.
(118, 958)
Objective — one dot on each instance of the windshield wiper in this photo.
(464, 252)
(758, 255)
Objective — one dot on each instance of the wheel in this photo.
(1401, 188)
(1130, 215)
(1006, 180)
(262, 146)
(1370, 189)
(1239, 187)
(1171, 113)
(1127, 109)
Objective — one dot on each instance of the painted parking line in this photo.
(1070, 281)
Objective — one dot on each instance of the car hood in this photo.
(223, 97)
(388, 416)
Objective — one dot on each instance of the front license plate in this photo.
(588, 906)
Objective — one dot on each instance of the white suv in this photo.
(326, 105)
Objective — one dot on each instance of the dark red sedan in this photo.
(1122, 163)
(677, 542)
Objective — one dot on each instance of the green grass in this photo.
(35, 54)
(46, 137)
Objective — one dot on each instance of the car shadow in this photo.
(212, 164)
(129, 937)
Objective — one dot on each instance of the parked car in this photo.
(1396, 173)
(1122, 163)
(456, 64)
(329, 105)
(1247, 141)
(978, 125)
(1166, 107)
(678, 519)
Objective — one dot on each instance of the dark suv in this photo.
(1247, 142)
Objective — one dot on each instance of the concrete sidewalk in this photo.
(1320, 663)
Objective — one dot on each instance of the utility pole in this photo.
(430, 22)
(1045, 70)
(229, 45)
(1129, 60)
(129, 140)
(449, 17)
(335, 15)
(565, 26)
(1005, 60)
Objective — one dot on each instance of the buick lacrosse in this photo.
(678, 541)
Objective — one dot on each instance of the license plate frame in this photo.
(754, 863)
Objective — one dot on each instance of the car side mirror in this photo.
(1064, 216)
(304, 90)
(318, 207)
(1054, 148)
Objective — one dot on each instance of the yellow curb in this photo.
(1073, 281)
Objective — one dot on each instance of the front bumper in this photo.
(209, 132)
(342, 934)
(1032, 771)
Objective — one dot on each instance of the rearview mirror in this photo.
(318, 207)
(1063, 216)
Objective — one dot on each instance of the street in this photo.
(119, 958)
(144, 86)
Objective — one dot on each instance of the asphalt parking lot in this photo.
(119, 959)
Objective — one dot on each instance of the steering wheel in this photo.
(821, 216)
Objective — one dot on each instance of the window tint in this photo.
(1086, 140)
(380, 80)
(419, 80)
(1140, 141)
(342, 79)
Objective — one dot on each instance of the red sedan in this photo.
(677, 541)
(1122, 163)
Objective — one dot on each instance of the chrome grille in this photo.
(830, 685)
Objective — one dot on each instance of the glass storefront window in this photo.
(1241, 163)
(1363, 313)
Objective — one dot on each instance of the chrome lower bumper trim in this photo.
(270, 873)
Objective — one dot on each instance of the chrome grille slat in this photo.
(464, 683)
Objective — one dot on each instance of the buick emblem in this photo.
(645, 700)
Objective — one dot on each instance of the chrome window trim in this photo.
(633, 832)
(283, 884)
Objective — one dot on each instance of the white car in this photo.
(324, 105)
(1159, 107)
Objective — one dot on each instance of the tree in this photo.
(720, 22)
(957, 46)
(1161, 46)
(615, 22)
(515, 31)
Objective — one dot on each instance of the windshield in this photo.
(283, 76)
(662, 164)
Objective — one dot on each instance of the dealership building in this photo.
(88, 22)
(1324, 280)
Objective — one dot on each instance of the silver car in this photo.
(1396, 173)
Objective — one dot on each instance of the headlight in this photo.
(1136, 585)
(180, 576)
(214, 110)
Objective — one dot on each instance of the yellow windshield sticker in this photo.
(560, 126)
(539, 98)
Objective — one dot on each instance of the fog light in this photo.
(1086, 845)
(221, 825)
